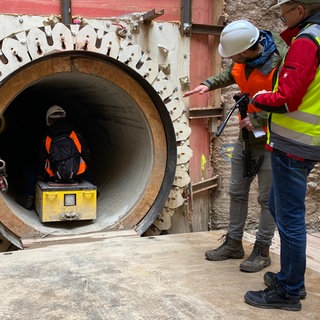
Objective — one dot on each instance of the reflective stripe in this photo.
(299, 122)
(48, 143)
(296, 136)
(48, 168)
(47, 164)
(309, 118)
(82, 166)
(74, 137)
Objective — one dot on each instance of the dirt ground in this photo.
(258, 13)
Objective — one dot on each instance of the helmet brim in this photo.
(279, 4)
(223, 53)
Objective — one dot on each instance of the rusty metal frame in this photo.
(151, 15)
(187, 27)
(206, 113)
(205, 184)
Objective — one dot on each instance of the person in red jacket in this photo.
(294, 142)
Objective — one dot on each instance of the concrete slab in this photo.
(131, 278)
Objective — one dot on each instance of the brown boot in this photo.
(230, 249)
(258, 259)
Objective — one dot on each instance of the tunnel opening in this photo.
(127, 126)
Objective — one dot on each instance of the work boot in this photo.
(230, 249)
(270, 280)
(258, 259)
(272, 298)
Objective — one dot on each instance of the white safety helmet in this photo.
(237, 37)
(54, 112)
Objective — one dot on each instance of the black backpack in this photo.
(64, 158)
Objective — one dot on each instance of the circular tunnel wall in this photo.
(126, 124)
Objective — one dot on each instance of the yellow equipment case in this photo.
(66, 202)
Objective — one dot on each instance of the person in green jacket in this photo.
(256, 55)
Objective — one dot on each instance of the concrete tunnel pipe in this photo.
(127, 126)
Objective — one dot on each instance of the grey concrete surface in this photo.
(133, 278)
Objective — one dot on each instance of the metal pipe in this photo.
(66, 12)
(186, 17)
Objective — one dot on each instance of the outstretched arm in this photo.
(221, 80)
(199, 89)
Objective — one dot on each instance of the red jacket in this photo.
(296, 74)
